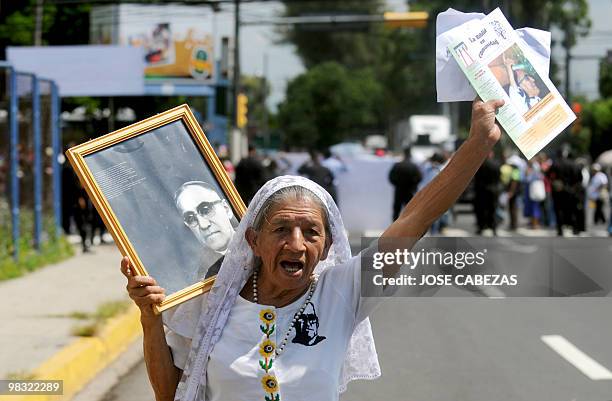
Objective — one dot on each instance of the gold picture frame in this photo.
(165, 198)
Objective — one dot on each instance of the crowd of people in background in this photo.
(557, 193)
(549, 192)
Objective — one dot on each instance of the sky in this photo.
(584, 69)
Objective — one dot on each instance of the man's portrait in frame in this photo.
(165, 197)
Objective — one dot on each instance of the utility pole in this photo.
(38, 23)
(236, 138)
(236, 75)
(568, 58)
(264, 86)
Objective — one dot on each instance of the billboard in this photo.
(177, 41)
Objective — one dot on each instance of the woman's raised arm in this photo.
(444, 190)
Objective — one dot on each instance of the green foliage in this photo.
(61, 25)
(399, 64)
(85, 330)
(104, 312)
(328, 104)
(571, 16)
(352, 48)
(596, 119)
(605, 78)
(257, 90)
(54, 249)
(111, 309)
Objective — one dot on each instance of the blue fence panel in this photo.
(45, 88)
(25, 157)
(38, 173)
(8, 230)
(56, 140)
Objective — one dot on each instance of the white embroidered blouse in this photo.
(241, 366)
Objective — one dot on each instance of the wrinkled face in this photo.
(207, 216)
(290, 243)
(529, 86)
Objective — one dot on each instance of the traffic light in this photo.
(577, 126)
(415, 19)
(242, 110)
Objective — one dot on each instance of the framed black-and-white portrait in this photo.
(165, 198)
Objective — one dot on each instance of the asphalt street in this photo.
(472, 349)
(477, 349)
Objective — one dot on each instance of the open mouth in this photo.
(291, 266)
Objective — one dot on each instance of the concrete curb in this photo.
(79, 362)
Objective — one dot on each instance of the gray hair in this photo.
(288, 194)
(187, 184)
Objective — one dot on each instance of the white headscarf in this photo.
(361, 361)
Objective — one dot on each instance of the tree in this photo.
(61, 25)
(597, 119)
(400, 60)
(257, 91)
(605, 78)
(328, 104)
(354, 47)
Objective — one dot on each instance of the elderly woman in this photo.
(285, 319)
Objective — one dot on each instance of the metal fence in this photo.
(30, 148)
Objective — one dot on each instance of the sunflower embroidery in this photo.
(267, 350)
(270, 386)
(267, 317)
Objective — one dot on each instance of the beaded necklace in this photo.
(311, 289)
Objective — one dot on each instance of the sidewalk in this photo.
(36, 308)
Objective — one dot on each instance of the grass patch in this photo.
(53, 248)
(79, 315)
(86, 330)
(104, 312)
(110, 309)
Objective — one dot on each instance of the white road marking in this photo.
(581, 361)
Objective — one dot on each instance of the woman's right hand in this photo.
(143, 290)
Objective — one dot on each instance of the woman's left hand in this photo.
(484, 129)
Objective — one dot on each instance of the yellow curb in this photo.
(79, 362)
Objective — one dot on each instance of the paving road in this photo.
(475, 349)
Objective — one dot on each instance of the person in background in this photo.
(431, 169)
(335, 164)
(598, 192)
(315, 171)
(486, 188)
(533, 195)
(75, 205)
(405, 177)
(511, 177)
(581, 192)
(566, 180)
(548, 212)
(250, 175)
